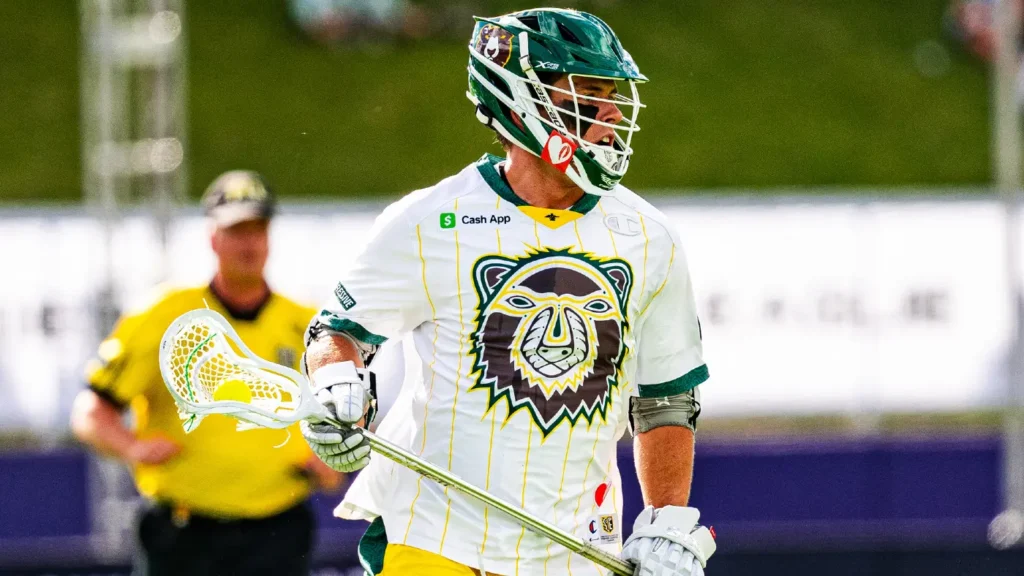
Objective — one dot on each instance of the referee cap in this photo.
(238, 196)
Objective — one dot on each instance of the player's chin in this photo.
(252, 265)
(248, 273)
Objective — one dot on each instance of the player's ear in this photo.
(622, 279)
(214, 240)
(490, 273)
(518, 122)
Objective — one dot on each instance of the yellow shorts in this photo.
(402, 560)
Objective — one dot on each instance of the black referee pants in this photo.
(278, 545)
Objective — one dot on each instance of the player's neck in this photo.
(239, 294)
(539, 183)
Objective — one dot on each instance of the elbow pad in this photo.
(649, 413)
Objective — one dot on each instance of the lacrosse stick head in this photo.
(209, 370)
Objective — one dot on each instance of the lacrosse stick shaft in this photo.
(196, 360)
(446, 478)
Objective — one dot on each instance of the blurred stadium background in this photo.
(844, 175)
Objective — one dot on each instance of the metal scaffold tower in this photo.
(133, 116)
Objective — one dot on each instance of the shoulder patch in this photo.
(344, 298)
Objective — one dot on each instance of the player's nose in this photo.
(610, 113)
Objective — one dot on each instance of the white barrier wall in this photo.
(825, 306)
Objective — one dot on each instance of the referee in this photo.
(220, 501)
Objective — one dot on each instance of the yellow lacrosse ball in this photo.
(233, 389)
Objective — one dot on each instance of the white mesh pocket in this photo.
(208, 375)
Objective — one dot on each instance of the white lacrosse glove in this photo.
(347, 393)
(668, 542)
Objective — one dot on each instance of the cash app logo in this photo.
(448, 220)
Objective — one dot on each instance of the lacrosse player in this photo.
(222, 502)
(551, 309)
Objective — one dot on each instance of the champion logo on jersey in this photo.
(549, 334)
(558, 151)
(623, 224)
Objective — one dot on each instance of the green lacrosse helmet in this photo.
(511, 56)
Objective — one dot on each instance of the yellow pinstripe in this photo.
(610, 235)
(643, 228)
(568, 442)
(490, 446)
(671, 259)
(458, 378)
(487, 480)
(522, 501)
(561, 484)
(536, 234)
(433, 374)
(579, 501)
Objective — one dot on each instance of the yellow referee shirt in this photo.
(219, 471)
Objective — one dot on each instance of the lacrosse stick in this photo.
(209, 370)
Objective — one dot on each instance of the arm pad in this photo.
(650, 413)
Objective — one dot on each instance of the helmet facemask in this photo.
(576, 116)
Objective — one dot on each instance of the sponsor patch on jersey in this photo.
(448, 220)
(344, 298)
(549, 336)
(602, 530)
(495, 43)
(608, 524)
(558, 151)
(485, 219)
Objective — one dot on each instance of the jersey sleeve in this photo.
(119, 372)
(670, 353)
(381, 295)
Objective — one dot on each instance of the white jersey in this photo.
(533, 328)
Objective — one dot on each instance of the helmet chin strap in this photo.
(581, 180)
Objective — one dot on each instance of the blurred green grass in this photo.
(744, 93)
